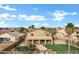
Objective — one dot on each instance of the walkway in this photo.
(40, 47)
(44, 50)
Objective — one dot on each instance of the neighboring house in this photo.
(62, 35)
(17, 35)
(77, 33)
(7, 37)
(39, 36)
(10, 36)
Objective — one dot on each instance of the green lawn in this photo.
(60, 47)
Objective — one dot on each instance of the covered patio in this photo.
(40, 41)
(39, 36)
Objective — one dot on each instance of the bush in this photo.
(77, 43)
(21, 48)
(26, 48)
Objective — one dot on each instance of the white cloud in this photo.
(3, 24)
(77, 25)
(36, 9)
(74, 13)
(7, 8)
(37, 25)
(46, 25)
(60, 15)
(41, 24)
(32, 17)
(7, 16)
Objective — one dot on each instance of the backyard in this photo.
(29, 49)
(60, 48)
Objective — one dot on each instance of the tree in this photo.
(53, 34)
(43, 28)
(23, 30)
(69, 28)
(32, 27)
(31, 48)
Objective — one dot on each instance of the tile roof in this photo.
(39, 38)
(13, 33)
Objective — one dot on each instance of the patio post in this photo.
(45, 41)
(32, 42)
(51, 42)
(38, 41)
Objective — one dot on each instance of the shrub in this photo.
(77, 43)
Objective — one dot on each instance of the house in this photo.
(17, 35)
(39, 36)
(62, 35)
(6, 37)
(77, 33)
(10, 36)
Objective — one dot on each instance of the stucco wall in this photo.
(13, 39)
(6, 35)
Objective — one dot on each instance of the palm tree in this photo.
(69, 28)
(53, 34)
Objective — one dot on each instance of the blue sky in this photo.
(48, 15)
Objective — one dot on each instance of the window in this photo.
(32, 34)
(12, 31)
(77, 32)
(47, 34)
(77, 36)
(7, 39)
(1, 39)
